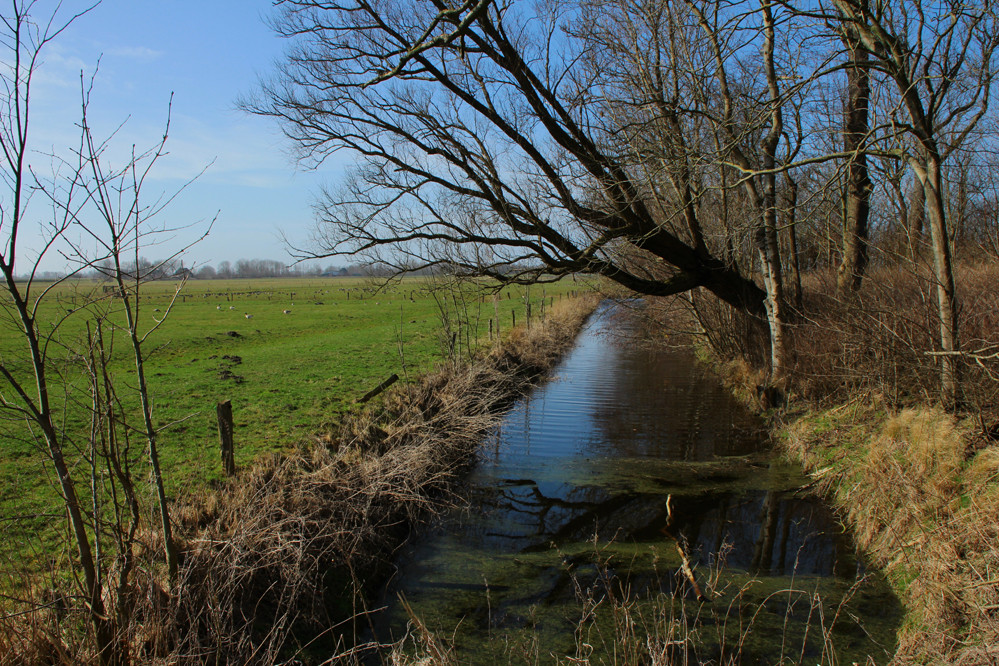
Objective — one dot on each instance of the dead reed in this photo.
(883, 340)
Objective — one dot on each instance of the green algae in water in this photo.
(618, 602)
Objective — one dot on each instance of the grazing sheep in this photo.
(218, 307)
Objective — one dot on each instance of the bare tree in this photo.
(856, 207)
(940, 58)
(25, 40)
(87, 204)
(480, 148)
(760, 116)
(105, 205)
(611, 137)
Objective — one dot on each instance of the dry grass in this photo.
(917, 485)
(286, 552)
(923, 512)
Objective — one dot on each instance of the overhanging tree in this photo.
(483, 145)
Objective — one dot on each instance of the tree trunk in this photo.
(769, 253)
(792, 240)
(766, 236)
(943, 273)
(858, 182)
(916, 220)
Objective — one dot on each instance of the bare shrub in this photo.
(880, 341)
(873, 342)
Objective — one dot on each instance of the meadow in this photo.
(292, 355)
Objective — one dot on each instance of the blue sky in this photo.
(207, 54)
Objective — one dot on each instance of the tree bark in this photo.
(792, 240)
(915, 222)
(858, 182)
(766, 235)
(943, 273)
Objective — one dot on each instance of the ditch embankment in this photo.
(919, 489)
(279, 563)
(917, 486)
(298, 544)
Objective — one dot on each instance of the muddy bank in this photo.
(920, 490)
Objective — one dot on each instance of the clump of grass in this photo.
(923, 511)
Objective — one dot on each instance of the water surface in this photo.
(580, 499)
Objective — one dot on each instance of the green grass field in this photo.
(288, 375)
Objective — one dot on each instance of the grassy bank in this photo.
(278, 562)
(919, 489)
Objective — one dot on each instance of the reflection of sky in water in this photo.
(596, 451)
(613, 398)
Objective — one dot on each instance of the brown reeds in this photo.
(883, 340)
(277, 562)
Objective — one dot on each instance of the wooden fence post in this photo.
(224, 413)
(384, 385)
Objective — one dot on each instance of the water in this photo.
(577, 505)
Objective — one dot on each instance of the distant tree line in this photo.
(261, 268)
(167, 269)
(152, 269)
(269, 268)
